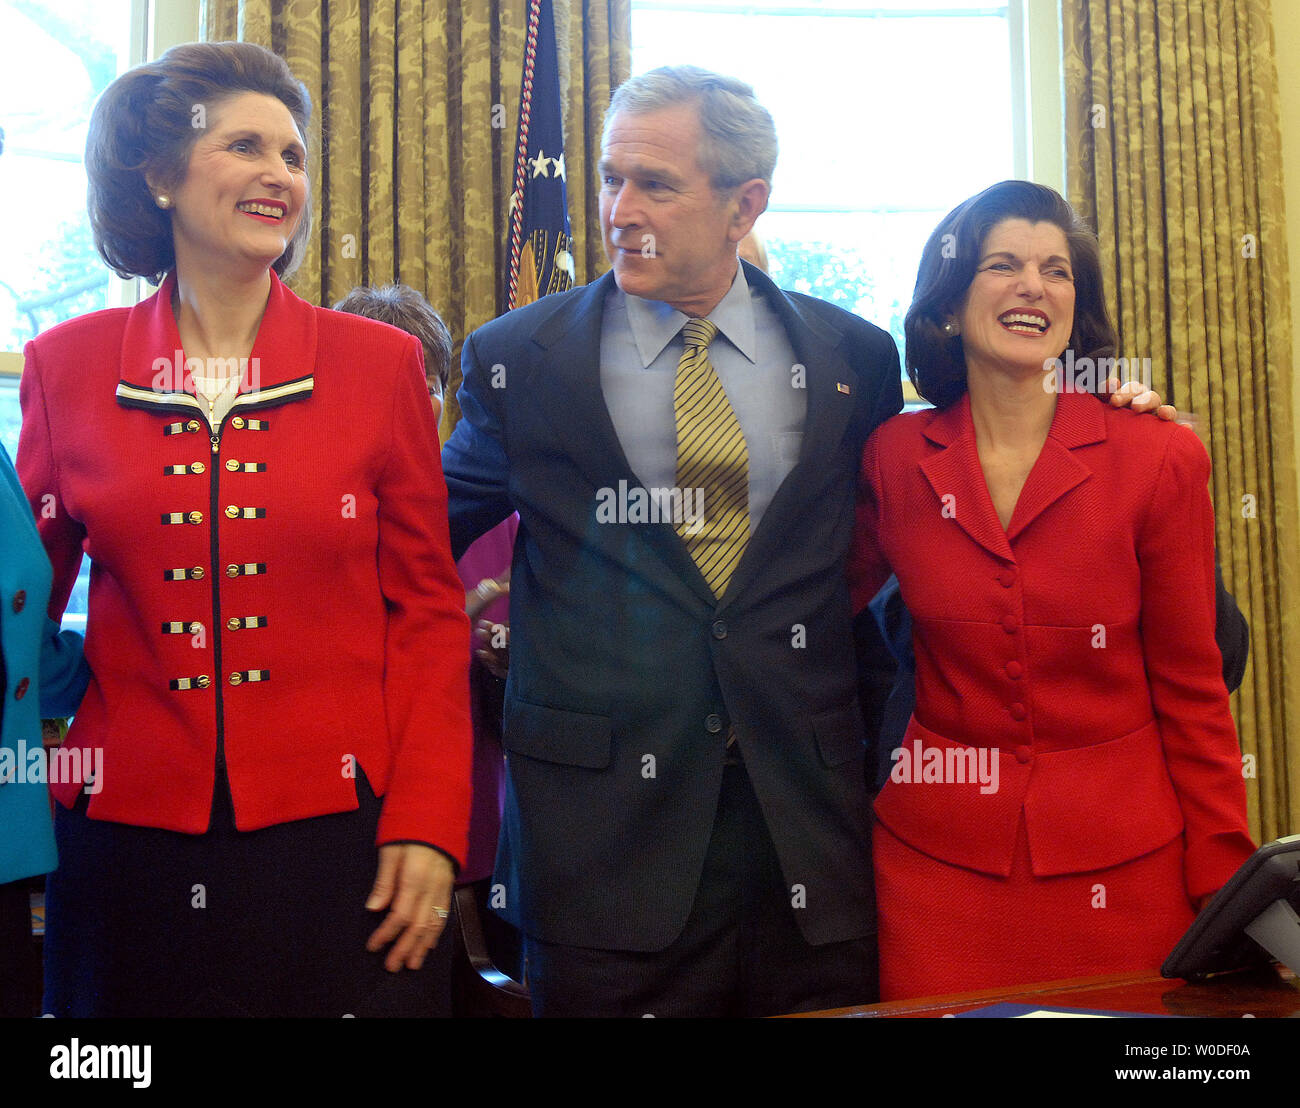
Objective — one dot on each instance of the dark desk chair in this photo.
(482, 990)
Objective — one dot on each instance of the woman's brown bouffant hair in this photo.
(145, 123)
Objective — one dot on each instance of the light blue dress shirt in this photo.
(640, 346)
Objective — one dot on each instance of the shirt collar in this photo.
(155, 375)
(285, 347)
(655, 324)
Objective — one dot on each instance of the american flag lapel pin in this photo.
(840, 386)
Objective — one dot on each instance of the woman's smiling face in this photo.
(1019, 310)
(245, 188)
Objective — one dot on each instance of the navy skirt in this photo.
(153, 923)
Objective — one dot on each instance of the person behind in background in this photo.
(1070, 789)
(276, 632)
(485, 574)
(42, 673)
(402, 307)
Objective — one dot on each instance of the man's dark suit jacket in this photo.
(625, 673)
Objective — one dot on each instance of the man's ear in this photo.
(750, 202)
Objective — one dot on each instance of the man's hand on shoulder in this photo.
(1135, 395)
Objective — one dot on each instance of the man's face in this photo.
(668, 234)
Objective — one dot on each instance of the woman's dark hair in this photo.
(401, 306)
(146, 122)
(935, 361)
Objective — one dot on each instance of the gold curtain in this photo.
(1173, 153)
(413, 134)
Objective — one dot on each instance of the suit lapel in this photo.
(956, 471)
(832, 387)
(568, 388)
(1079, 421)
(957, 478)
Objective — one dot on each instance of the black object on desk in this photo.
(1253, 916)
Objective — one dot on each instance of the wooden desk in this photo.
(1267, 993)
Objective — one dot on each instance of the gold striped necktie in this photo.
(712, 462)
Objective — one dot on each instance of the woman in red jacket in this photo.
(276, 629)
(1069, 789)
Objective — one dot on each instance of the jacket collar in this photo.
(954, 471)
(155, 376)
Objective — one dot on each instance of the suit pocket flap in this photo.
(1096, 806)
(556, 735)
(841, 735)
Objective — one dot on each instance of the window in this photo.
(56, 57)
(61, 56)
(887, 117)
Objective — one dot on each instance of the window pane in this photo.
(886, 119)
(56, 57)
(10, 416)
(863, 261)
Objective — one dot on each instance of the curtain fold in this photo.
(1173, 153)
(413, 137)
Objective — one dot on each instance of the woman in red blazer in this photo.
(276, 628)
(1069, 789)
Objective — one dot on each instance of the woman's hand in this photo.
(414, 882)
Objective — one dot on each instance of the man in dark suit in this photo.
(687, 827)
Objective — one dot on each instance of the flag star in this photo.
(558, 171)
(539, 164)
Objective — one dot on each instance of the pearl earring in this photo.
(950, 328)
(163, 201)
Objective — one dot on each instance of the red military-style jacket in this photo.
(275, 594)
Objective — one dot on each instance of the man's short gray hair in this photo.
(739, 135)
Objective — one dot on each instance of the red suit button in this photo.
(1024, 754)
(1009, 624)
(1017, 711)
(1014, 669)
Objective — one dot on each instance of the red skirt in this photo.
(947, 929)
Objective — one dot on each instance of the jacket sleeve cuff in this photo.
(1210, 863)
(455, 865)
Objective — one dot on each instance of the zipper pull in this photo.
(216, 441)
